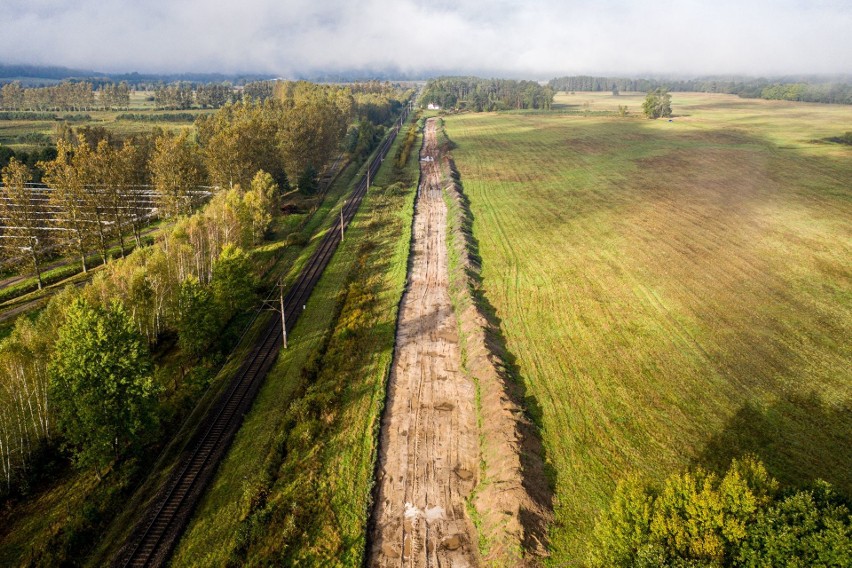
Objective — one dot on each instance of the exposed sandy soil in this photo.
(514, 500)
(429, 449)
(442, 458)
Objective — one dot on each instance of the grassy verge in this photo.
(295, 487)
(676, 293)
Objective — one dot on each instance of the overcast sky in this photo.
(531, 38)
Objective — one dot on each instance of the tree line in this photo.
(67, 96)
(743, 519)
(183, 96)
(35, 73)
(100, 191)
(62, 97)
(79, 96)
(180, 95)
(473, 93)
(807, 91)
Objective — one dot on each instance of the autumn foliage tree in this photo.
(69, 197)
(239, 140)
(22, 217)
(314, 119)
(176, 171)
(88, 163)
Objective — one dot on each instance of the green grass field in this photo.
(674, 293)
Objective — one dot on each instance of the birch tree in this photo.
(22, 216)
(68, 199)
(176, 170)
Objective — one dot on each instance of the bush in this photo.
(741, 519)
(845, 139)
(404, 151)
(157, 117)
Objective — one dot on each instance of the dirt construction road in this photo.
(428, 453)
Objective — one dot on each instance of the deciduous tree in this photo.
(658, 104)
(233, 281)
(198, 319)
(89, 173)
(239, 140)
(22, 216)
(742, 519)
(101, 384)
(68, 196)
(177, 171)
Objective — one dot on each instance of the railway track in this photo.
(157, 533)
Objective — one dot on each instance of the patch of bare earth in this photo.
(436, 464)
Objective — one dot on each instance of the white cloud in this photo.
(534, 38)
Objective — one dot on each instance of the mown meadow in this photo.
(673, 293)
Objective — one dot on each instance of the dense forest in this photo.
(800, 90)
(479, 95)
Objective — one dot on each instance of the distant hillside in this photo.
(42, 72)
(33, 75)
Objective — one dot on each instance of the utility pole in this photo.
(283, 322)
(341, 220)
